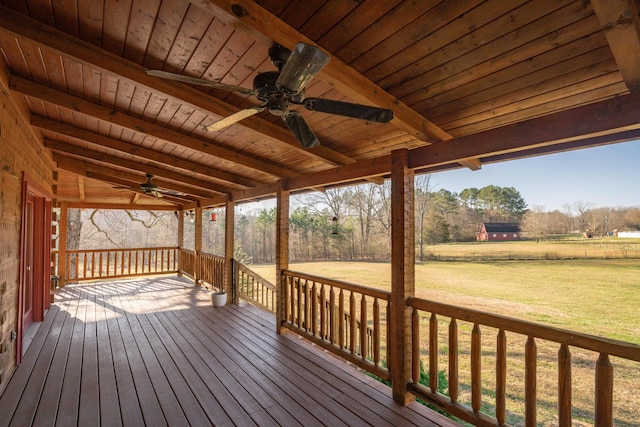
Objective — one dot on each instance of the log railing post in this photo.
(415, 345)
(433, 352)
(476, 369)
(62, 244)
(181, 267)
(282, 253)
(530, 381)
(402, 275)
(453, 360)
(501, 377)
(564, 386)
(230, 285)
(199, 267)
(604, 391)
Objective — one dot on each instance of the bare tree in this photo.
(422, 195)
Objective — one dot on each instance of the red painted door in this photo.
(27, 291)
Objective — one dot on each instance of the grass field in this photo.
(595, 296)
(599, 297)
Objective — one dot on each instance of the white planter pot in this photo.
(219, 299)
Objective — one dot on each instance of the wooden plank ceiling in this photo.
(450, 71)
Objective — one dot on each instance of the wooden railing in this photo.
(210, 270)
(187, 262)
(91, 264)
(254, 288)
(336, 315)
(531, 335)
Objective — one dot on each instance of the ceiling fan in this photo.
(279, 90)
(151, 189)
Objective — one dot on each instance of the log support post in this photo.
(180, 215)
(282, 251)
(198, 245)
(230, 287)
(62, 244)
(402, 275)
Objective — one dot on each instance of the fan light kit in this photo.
(279, 90)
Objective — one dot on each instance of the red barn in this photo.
(498, 231)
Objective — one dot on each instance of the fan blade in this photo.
(200, 82)
(299, 127)
(357, 111)
(234, 118)
(170, 192)
(304, 63)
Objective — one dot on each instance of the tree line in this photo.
(347, 223)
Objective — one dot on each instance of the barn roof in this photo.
(501, 227)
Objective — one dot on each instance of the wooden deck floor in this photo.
(154, 352)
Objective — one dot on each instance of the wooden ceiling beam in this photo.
(123, 206)
(614, 115)
(610, 121)
(85, 53)
(79, 105)
(473, 164)
(138, 151)
(621, 26)
(81, 187)
(138, 191)
(82, 167)
(338, 74)
(156, 171)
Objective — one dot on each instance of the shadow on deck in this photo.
(153, 351)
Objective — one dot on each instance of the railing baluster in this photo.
(332, 315)
(323, 312)
(453, 360)
(530, 381)
(341, 330)
(564, 386)
(376, 332)
(501, 377)
(415, 345)
(352, 322)
(292, 285)
(476, 369)
(314, 309)
(306, 305)
(363, 326)
(84, 265)
(433, 352)
(299, 301)
(604, 391)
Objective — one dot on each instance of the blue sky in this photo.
(607, 176)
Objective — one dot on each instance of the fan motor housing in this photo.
(264, 84)
(277, 100)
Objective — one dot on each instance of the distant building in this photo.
(498, 231)
(628, 234)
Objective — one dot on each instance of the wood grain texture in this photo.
(166, 357)
(447, 69)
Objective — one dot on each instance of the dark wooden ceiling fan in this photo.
(279, 90)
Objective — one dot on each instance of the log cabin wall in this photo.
(20, 152)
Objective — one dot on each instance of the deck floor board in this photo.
(152, 351)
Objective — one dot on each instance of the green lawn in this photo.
(599, 297)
